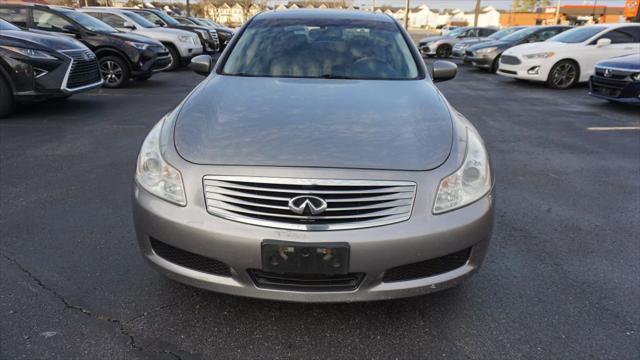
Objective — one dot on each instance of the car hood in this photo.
(433, 38)
(472, 41)
(167, 31)
(365, 124)
(490, 43)
(46, 41)
(532, 48)
(631, 62)
(133, 37)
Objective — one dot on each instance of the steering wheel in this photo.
(369, 66)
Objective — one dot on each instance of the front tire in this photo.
(7, 104)
(495, 65)
(175, 58)
(563, 75)
(443, 51)
(114, 71)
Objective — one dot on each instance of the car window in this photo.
(113, 20)
(547, 34)
(520, 34)
(578, 35)
(7, 26)
(88, 22)
(151, 17)
(184, 21)
(16, 16)
(624, 35)
(45, 20)
(322, 48)
(138, 19)
(472, 33)
(486, 32)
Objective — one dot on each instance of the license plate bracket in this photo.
(305, 258)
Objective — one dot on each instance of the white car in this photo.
(182, 45)
(570, 57)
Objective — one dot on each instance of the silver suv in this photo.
(442, 46)
(316, 174)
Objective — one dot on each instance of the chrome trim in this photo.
(64, 87)
(221, 192)
(617, 69)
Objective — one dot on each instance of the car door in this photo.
(624, 41)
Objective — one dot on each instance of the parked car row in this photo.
(560, 56)
(99, 46)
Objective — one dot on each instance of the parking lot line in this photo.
(613, 128)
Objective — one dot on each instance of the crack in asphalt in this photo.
(121, 325)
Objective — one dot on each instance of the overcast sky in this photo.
(470, 4)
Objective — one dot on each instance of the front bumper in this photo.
(614, 90)
(481, 61)
(373, 250)
(428, 49)
(533, 70)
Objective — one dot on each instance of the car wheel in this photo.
(563, 75)
(175, 58)
(6, 99)
(495, 65)
(114, 71)
(443, 51)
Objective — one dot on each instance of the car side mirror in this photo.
(70, 29)
(129, 25)
(443, 71)
(603, 42)
(159, 23)
(201, 64)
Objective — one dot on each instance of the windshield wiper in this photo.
(334, 76)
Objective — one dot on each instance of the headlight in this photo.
(184, 38)
(635, 76)
(32, 53)
(469, 183)
(486, 50)
(137, 45)
(543, 55)
(154, 174)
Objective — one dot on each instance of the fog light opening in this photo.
(534, 70)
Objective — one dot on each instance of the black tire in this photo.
(563, 75)
(495, 65)
(443, 51)
(143, 77)
(114, 70)
(176, 60)
(7, 104)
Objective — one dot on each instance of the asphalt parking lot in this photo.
(561, 279)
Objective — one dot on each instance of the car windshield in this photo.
(7, 26)
(166, 18)
(139, 20)
(520, 34)
(577, 35)
(503, 33)
(322, 48)
(89, 22)
(198, 22)
(456, 31)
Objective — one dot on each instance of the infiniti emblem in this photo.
(307, 204)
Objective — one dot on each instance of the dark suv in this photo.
(121, 55)
(36, 67)
(208, 37)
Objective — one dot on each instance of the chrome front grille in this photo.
(350, 204)
(84, 69)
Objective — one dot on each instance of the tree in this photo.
(529, 5)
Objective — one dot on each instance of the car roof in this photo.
(323, 14)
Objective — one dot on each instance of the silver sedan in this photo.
(317, 162)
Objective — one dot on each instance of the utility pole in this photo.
(188, 9)
(557, 13)
(475, 19)
(406, 15)
(373, 6)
